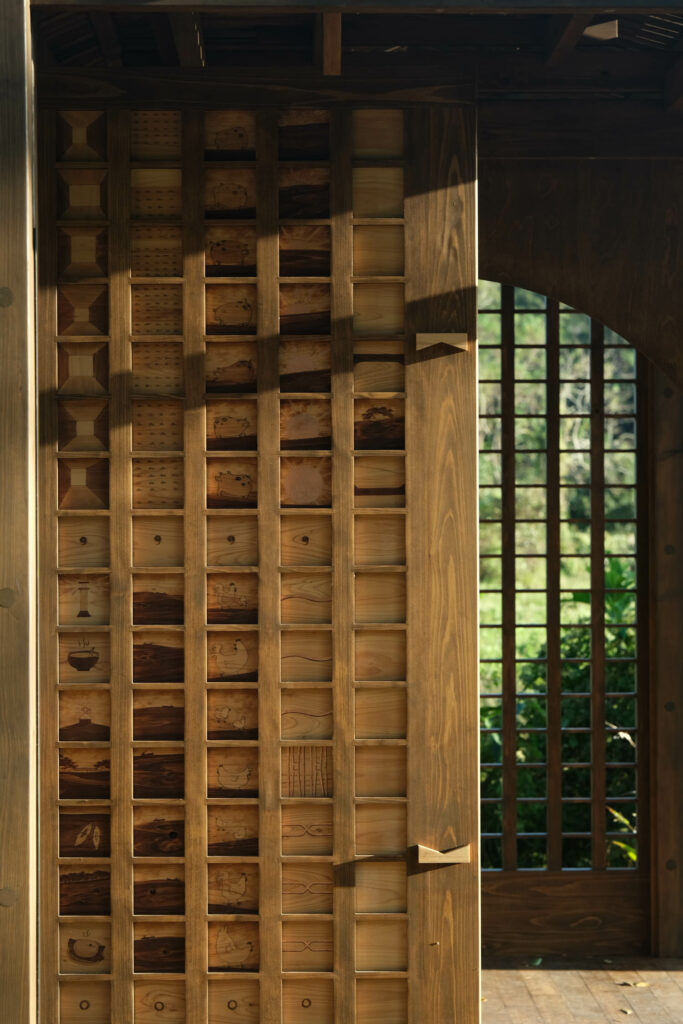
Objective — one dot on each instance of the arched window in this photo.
(563, 589)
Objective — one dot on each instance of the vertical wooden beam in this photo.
(554, 671)
(17, 521)
(189, 39)
(667, 705)
(332, 43)
(598, 774)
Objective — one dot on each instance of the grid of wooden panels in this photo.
(223, 696)
(563, 588)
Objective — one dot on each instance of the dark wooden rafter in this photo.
(163, 37)
(104, 28)
(329, 43)
(674, 88)
(563, 35)
(189, 39)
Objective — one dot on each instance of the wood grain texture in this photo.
(606, 263)
(442, 571)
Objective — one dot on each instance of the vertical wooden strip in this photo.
(441, 433)
(269, 564)
(598, 596)
(508, 578)
(342, 560)
(667, 502)
(196, 892)
(48, 696)
(17, 517)
(121, 558)
(554, 676)
(643, 612)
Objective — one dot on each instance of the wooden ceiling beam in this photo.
(163, 36)
(189, 39)
(108, 38)
(563, 34)
(376, 6)
(674, 88)
(328, 43)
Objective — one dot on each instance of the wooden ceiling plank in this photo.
(189, 38)
(331, 44)
(104, 28)
(563, 34)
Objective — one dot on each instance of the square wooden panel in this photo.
(307, 888)
(231, 425)
(379, 482)
(157, 308)
(82, 309)
(158, 773)
(231, 309)
(380, 540)
(232, 540)
(82, 252)
(157, 368)
(306, 598)
(158, 483)
(378, 192)
(85, 834)
(307, 945)
(85, 947)
(159, 1002)
(84, 658)
(230, 251)
(305, 250)
(380, 713)
(305, 423)
(379, 423)
(380, 654)
(155, 134)
(84, 1002)
(305, 482)
(84, 542)
(232, 598)
(307, 771)
(381, 1001)
(230, 193)
(378, 250)
(158, 657)
(381, 771)
(84, 773)
(83, 425)
(377, 133)
(233, 889)
(158, 715)
(306, 714)
(304, 193)
(158, 948)
(381, 888)
(307, 829)
(306, 656)
(305, 366)
(159, 889)
(232, 772)
(315, 996)
(306, 540)
(84, 892)
(81, 194)
(156, 192)
(380, 597)
(82, 369)
(381, 945)
(83, 600)
(233, 946)
(158, 600)
(304, 135)
(304, 309)
(157, 425)
(233, 831)
(156, 251)
(232, 657)
(84, 715)
(231, 367)
(378, 309)
(232, 714)
(234, 1002)
(158, 540)
(229, 135)
(159, 831)
(231, 483)
(81, 135)
(381, 829)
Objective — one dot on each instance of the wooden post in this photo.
(17, 522)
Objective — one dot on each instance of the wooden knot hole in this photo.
(84, 1004)
(83, 540)
(306, 1002)
(232, 1004)
(158, 1006)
